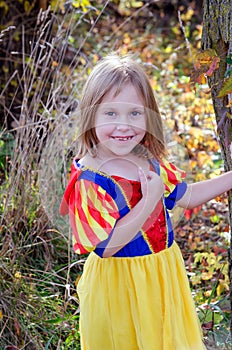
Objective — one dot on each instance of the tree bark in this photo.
(217, 34)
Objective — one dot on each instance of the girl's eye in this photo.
(136, 114)
(111, 114)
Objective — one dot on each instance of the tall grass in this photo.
(38, 302)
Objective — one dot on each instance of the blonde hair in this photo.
(115, 71)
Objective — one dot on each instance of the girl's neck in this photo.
(126, 167)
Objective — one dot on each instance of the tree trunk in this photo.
(217, 34)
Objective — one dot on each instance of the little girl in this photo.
(134, 292)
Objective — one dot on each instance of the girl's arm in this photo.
(203, 191)
(127, 227)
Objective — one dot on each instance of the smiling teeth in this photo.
(123, 138)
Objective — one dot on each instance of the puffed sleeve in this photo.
(175, 186)
(92, 212)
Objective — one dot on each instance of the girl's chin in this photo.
(120, 151)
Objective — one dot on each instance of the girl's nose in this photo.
(123, 127)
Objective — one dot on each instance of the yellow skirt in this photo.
(141, 303)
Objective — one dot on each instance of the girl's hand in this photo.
(152, 188)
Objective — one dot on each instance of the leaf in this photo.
(81, 3)
(215, 219)
(205, 276)
(58, 5)
(17, 327)
(205, 63)
(57, 320)
(229, 103)
(188, 213)
(55, 64)
(18, 275)
(48, 343)
(136, 4)
(213, 66)
(27, 7)
(198, 76)
(4, 6)
(229, 59)
(222, 286)
(226, 88)
(205, 57)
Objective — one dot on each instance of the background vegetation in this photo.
(47, 50)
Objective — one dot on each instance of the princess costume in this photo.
(138, 299)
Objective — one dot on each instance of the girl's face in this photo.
(120, 121)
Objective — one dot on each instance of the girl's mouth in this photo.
(122, 138)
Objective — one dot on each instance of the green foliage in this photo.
(34, 305)
(210, 283)
(6, 150)
(226, 88)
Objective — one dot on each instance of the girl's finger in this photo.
(143, 180)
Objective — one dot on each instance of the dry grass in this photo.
(38, 304)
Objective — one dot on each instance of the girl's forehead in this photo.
(126, 94)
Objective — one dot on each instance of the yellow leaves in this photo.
(4, 6)
(208, 293)
(125, 7)
(18, 275)
(201, 145)
(58, 5)
(204, 159)
(205, 276)
(55, 64)
(83, 4)
(187, 15)
(204, 57)
(205, 63)
(5, 69)
(28, 6)
(1, 315)
(195, 279)
(137, 4)
(212, 268)
(95, 58)
(229, 105)
(127, 39)
(222, 287)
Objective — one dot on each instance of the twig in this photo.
(185, 36)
